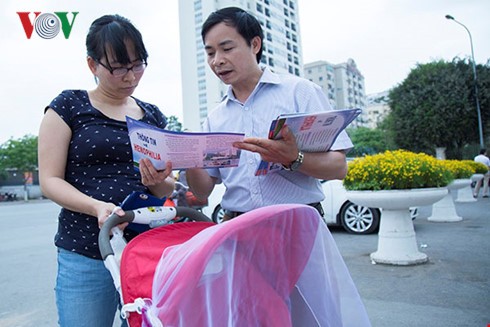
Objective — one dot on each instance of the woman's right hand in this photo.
(105, 209)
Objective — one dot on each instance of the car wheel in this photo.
(218, 214)
(358, 219)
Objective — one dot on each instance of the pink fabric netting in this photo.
(274, 266)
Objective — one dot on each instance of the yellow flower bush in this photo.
(397, 170)
(478, 167)
(459, 168)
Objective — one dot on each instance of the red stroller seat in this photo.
(141, 256)
(274, 266)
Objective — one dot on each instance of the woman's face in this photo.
(124, 78)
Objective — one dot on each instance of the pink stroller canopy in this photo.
(274, 266)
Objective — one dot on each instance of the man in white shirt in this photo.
(233, 44)
(482, 158)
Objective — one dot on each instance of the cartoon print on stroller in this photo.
(273, 266)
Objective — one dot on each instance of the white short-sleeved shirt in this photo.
(274, 94)
(483, 159)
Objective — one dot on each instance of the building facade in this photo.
(201, 89)
(342, 83)
(377, 109)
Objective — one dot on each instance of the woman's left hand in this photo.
(150, 176)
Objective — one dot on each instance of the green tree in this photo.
(435, 107)
(173, 124)
(368, 141)
(20, 154)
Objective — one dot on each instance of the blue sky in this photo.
(386, 38)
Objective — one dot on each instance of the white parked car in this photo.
(339, 211)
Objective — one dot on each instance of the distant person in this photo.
(85, 166)
(233, 41)
(483, 158)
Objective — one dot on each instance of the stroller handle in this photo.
(105, 231)
(129, 216)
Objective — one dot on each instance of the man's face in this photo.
(228, 54)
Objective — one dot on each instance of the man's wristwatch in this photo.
(296, 163)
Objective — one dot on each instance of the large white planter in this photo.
(397, 244)
(445, 210)
(465, 193)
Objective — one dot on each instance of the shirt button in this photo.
(250, 161)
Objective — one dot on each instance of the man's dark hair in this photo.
(482, 151)
(246, 25)
(111, 32)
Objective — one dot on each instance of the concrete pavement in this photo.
(452, 289)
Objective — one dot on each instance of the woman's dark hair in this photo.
(246, 25)
(111, 32)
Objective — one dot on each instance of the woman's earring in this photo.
(96, 79)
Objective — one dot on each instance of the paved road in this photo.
(28, 259)
(452, 289)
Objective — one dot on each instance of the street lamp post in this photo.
(480, 128)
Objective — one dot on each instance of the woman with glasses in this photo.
(85, 166)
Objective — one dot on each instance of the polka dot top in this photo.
(99, 164)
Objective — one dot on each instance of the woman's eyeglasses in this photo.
(121, 71)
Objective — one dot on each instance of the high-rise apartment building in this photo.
(201, 89)
(342, 83)
(377, 109)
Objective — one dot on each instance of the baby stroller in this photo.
(273, 266)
